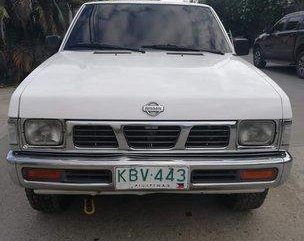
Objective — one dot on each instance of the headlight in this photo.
(43, 132)
(256, 133)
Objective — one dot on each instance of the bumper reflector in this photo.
(35, 174)
(251, 175)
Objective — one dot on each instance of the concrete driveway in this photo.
(167, 217)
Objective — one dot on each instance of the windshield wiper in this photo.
(173, 47)
(100, 46)
(170, 47)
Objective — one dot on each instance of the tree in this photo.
(23, 27)
(298, 4)
(248, 17)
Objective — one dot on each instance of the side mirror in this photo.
(53, 42)
(242, 46)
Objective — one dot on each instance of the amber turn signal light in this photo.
(45, 175)
(251, 175)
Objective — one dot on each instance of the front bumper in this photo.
(17, 161)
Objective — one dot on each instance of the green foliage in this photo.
(249, 17)
(24, 25)
(3, 16)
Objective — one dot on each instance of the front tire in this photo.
(300, 65)
(258, 58)
(246, 201)
(47, 203)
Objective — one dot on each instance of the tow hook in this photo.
(89, 205)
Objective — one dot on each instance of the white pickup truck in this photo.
(148, 97)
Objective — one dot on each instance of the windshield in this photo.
(147, 26)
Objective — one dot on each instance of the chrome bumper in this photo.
(282, 162)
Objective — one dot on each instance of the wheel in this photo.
(300, 65)
(245, 201)
(258, 58)
(47, 203)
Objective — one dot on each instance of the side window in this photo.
(293, 23)
(279, 27)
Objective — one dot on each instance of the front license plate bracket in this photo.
(152, 178)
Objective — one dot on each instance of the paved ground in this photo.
(164, 217)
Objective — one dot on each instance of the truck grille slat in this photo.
(94, 136)
(144, 138)
(151, 137)
(93, 130)
(145, 131)
(209, 131)
(147, 142)
(97, 142)
(206, 142)
(208, 136)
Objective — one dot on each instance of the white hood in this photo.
(84, 85)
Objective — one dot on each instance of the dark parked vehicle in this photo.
(284, 42)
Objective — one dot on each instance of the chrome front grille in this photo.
(151, 136)
(208, 136)
(94, 136)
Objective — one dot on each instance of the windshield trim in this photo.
(224, 32)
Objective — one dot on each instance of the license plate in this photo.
(151, 177)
